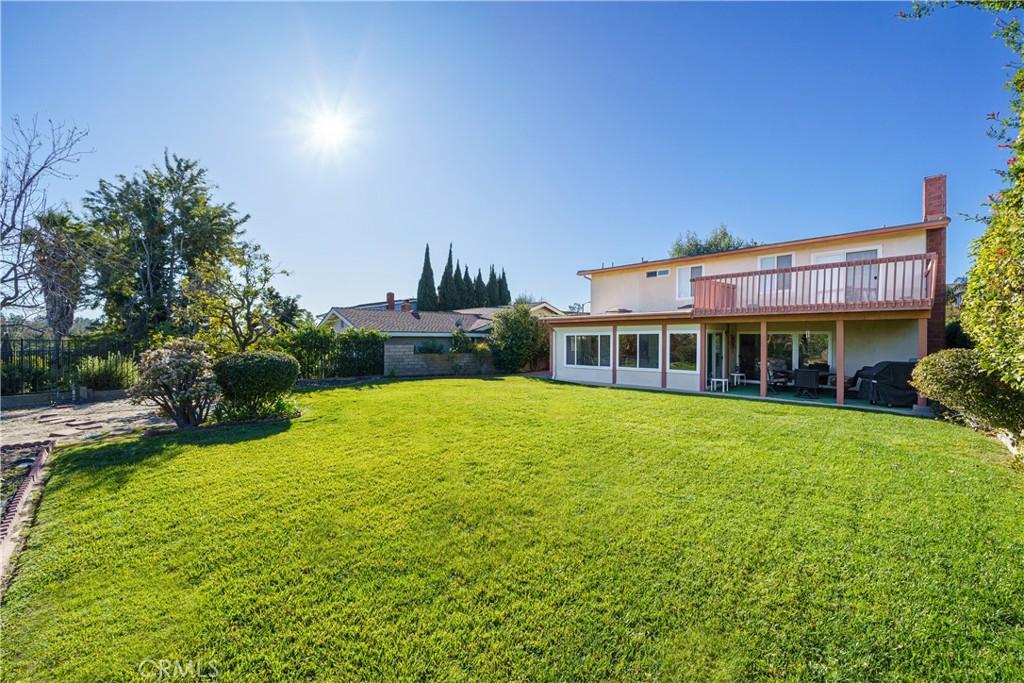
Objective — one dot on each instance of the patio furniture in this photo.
(738, 377)
(888, 383)
(777, 380)
(806, 383)
(719, 384)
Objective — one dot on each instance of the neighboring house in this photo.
(832, 303)
(418, 341)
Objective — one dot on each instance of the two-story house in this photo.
(833, 303)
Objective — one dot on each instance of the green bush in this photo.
(322, 352)
(102, 373)
(26, 375)
(956, 338)
(231, 411)
(956, 379)
(517, 339)
(255, 378)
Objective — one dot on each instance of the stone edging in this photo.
(21, 511)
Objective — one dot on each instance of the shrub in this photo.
(254, 379)
(955, 378)
(179, 379)
(461, 343)
(517, 338)
(102, 373)
(27, 374)
(322, 352)
(230, 411)
(956, 338)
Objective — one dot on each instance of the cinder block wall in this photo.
(401, 360)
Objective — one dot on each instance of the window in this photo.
(639, 351)
(780, 352)
(682, 351)
(684, 288)
(814, 350)
(657, 273)
(782, 280)
(589, 350)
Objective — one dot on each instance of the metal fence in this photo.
(37, 365)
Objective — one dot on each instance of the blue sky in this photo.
(541, 138)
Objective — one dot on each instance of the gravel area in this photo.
(64, 423)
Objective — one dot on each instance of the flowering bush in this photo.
(179, 379)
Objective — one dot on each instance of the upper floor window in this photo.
(657, 273)
(685, 288)
(782, 280)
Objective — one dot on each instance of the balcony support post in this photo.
(702, 358)
(840, 362)
(764, 358)
(615, 352)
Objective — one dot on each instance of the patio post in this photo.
(764, 358)
(702, 358)
(922, 351)
(615, 352)
(664, 355)
(840, 362)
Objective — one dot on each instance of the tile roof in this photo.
(413, 321)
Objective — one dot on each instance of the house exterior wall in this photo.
(632, 289)
(401, 359)
(872, 341)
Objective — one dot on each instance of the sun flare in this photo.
(329, 130)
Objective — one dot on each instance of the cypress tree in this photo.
(493, 297)
(426, 293)
(460, 288)
(468, 293)
(503, 293)
(479, 290)
(446, 289)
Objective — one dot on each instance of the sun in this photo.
(329, 130)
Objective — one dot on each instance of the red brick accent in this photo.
(391, 301)
(936, 242)
(934, 197)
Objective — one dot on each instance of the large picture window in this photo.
(682, 351)
(639, 350)
(588, 350)
(814, 350)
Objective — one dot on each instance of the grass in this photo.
(519, 529)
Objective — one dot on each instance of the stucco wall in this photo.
(632, 289)
(401, 360)
(872, 341)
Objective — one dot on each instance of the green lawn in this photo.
(519, 529)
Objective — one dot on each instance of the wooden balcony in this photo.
(892, 283)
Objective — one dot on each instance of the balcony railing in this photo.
(891, 283)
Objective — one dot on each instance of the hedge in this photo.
(323, 353)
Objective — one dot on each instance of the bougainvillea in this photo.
(179, 379)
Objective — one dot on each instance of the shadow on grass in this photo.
(111, 464)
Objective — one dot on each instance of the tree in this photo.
(493, 289)
(993, 303)
(517, 338)
(504, 295)
(58, 243)
(717, 241)
(426, 292)
(479, 290)
(446, 293)
(179, 379)
(30, 158)
(155, 229)
(468, 292)
(577, 308)
(460, 288)
(230, 313)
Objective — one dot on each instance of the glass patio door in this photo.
(716, 354)
(862, 280)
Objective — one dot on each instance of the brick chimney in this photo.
(391, 301)
(934, 198)
(406, 307)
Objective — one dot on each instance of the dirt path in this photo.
(64, 423)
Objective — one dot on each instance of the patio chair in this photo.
(806, 382)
